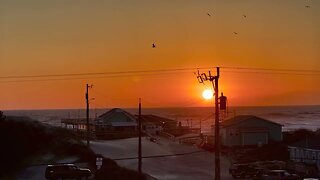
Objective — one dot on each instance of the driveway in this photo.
(198, 165)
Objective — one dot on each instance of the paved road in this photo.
(188, 167)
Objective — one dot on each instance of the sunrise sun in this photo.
(207, 94)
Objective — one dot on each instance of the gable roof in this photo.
(117, 117)
(241, 118)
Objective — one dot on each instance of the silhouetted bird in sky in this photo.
(209, 14)
(307, 6)
(245, 16)
(153, 45)
(235, 33)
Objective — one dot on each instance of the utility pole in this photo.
(217, 128)
(139, 145)
(87, 103)
(215, 81)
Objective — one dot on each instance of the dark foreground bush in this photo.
(298, 135)
(23, 138)
(20, 138)
(269, 152)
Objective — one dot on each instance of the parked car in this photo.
(279, 174)
(245, 171)
(69, 171)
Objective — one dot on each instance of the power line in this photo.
(275, 73)
(92, 77)
(159, 156)
(270, 69)
(39, 78)
(154, 71)
(103, 73)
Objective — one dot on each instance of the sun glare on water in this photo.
(207, 94)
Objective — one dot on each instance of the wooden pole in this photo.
(139, 145)
(217, 128)
(87, 114)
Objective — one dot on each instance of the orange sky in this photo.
(78, 36)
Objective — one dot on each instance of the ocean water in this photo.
(291, 117)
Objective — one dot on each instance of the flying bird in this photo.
(245, 16)
(307, 6)
(235, 33)
(153, 45)
(209, 14)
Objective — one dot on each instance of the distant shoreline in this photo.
(292, 117)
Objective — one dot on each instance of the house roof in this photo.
(117, 117)
(241, 118)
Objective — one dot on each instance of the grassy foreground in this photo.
(24, 140)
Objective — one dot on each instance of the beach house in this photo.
(246, 130)
(115, 123)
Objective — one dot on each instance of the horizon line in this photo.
(158, 107)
